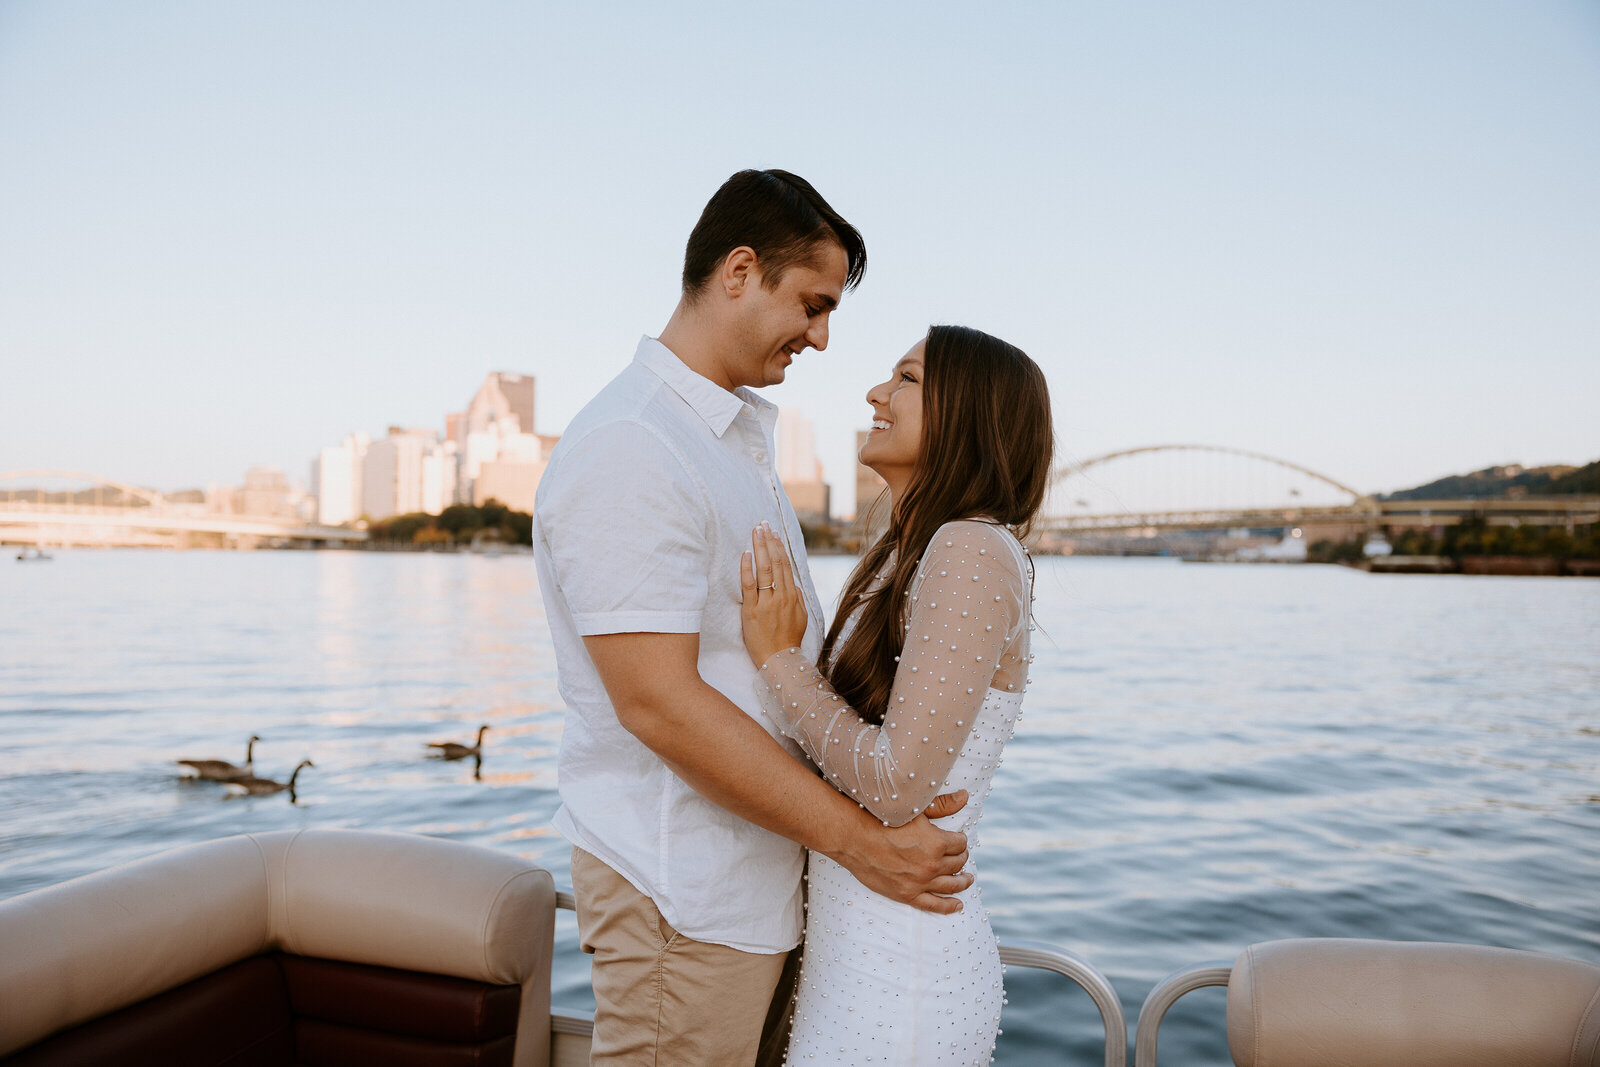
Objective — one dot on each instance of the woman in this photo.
(917, 690)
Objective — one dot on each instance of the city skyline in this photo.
(789, 470)
(1359, 238)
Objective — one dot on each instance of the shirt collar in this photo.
(710, 401)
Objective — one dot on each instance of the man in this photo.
(687, 810)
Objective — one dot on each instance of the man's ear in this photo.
(738, 271)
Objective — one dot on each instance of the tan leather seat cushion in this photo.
(90, 946)
(1358, 1003)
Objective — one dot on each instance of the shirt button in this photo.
(761, 457)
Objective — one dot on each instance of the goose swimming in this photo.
(217, 770)
(455, 750)
(258, 787)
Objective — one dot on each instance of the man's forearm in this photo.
(654, 684)
(727, 757)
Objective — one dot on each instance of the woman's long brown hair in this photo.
(987, 445)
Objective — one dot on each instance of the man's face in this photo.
(778, 324)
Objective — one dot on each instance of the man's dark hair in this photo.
(777, 214)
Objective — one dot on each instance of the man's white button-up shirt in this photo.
(643, 513)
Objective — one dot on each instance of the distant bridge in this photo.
(1168, 488)
(102, 512)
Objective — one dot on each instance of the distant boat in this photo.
(1292, 549)
(487, 543)
(30, 554)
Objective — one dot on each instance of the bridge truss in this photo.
(1195, 487)
(1156, 489)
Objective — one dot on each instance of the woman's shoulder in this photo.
(984, 536)
(976, 529)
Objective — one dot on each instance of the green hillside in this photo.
(1500, 481)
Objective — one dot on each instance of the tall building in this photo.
(404, 473)
(868, 487)
(266, 493)
(798, 467)
(501, 455)
(503, 398)
(441, 469)
(513, 478)
(336, 477)
(797, 447)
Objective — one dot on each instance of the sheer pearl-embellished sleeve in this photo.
(969, 603)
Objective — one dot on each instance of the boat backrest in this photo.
(1360, 1003)
(79, 950)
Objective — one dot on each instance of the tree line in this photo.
(458, 524)
(1472, 536)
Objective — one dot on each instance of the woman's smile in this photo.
(890, 450)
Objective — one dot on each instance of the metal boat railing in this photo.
(570, 1028)
(1045, 956)
(1165, 994)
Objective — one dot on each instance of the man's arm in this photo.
(723, 754)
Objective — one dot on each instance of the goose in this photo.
(258, 787)
(456, 750)
(217, 770)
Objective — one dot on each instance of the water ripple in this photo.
(1209, 756)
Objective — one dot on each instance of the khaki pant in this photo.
(663, 999)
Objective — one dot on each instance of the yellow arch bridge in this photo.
(1177, 487)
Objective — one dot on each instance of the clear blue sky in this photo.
(1361, 236)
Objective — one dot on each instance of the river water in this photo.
(1210, 755)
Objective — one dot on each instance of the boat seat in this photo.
(315, 947)
(1334, 1002)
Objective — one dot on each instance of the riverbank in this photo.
(1517, 566)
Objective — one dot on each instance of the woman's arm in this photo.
(654, 683)
(967, 601)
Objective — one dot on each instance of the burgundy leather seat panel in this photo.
(238, 1017)
(322, 1044)
(277, 1010)
(430, 1006)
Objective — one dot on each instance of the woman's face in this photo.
(894, 444)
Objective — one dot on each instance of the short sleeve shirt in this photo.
(642, 515)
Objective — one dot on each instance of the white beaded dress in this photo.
(881, 982)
